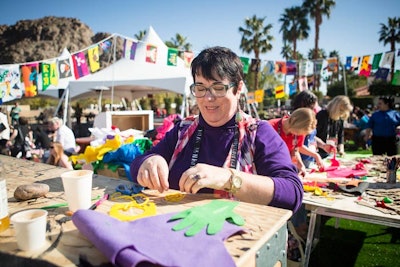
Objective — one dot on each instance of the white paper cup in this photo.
(78, 188)
(30, 228)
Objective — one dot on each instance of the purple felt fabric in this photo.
(151, 241)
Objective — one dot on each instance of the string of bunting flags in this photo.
(303, 71)
(30, 78)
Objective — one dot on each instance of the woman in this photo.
(58, 157)
(293, 130)
(222, 150)
(330, 123)
(382, 127)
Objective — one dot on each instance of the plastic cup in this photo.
(78, 188)
(30, 228)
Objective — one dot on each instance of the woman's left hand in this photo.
(202, 176)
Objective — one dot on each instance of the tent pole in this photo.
(59, 103)
(66, 115)
(113, 71)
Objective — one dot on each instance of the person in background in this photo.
(58, 157)
(62, 134)
(14, 113)
(4, 132)
(42, 141)
(222, 150)
(361, 122)
(309, 150)
(293, 129)
(382, 127)
(21, 139)
(330, 123)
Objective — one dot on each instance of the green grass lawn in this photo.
(356, 243)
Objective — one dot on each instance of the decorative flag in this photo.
(246, 64)
(376, 61)
(268, 68)
(172, 59)
(382, 73)
(49, 74)
(396, 78)
(94, 58)
(29, 74)
(387, 60)
(255, 65)
(306, 67)
(365, 69)
(188, 58)
(280, 67)
(105, 46)
(303, 83)
(332, 64)
(130, 49)
(348, 63)
(279, 91)
(318, 66)
(292, 88)
(291, 67)
(80, 65)
(259, 95)
(64, 68)
(250, 98)
(10, 83)
(151, 53)
(354, 63)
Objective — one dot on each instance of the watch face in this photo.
(237, 182)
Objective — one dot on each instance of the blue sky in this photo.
(352, 28)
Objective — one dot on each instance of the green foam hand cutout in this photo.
(212, 215)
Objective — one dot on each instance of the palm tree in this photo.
(139, 36)
(294, 26)
(180, 43)
(286, 51)
(317, 9)
(390, 34)
(256, 38)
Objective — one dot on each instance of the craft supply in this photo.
(126, 211)
(392, 164)
(174, 197)
(98, 202)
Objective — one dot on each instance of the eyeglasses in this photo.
(217, 90)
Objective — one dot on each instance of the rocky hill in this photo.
(35, 40)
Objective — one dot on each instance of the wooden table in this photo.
(263, 245)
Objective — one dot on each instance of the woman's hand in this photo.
(153, 173)
(204, 176)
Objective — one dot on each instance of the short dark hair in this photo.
(388, 100)
(216, 63)
(304, 99)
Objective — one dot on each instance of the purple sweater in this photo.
(271, 158)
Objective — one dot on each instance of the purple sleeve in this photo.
(164, 148)
(272, 159)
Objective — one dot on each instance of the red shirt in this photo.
(292, 141)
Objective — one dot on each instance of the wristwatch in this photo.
(235, 181)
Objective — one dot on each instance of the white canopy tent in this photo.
(134, 78)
